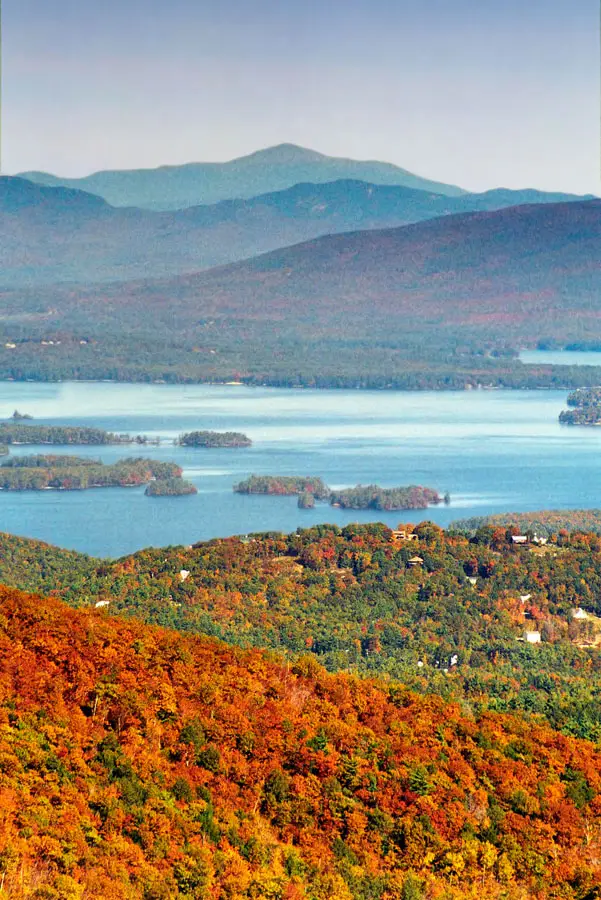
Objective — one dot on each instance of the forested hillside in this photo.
(445, 613)
(445, 304)
(137, 763)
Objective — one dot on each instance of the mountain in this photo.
(442, 303)
(139, 764)
(50, 234)
(273, 169)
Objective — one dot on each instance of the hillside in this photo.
(50, 234)
(356, 601)
(137, 764)
(273, 169)
(442, 303)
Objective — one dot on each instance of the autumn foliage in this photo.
(138, 763)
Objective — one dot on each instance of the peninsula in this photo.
(17, 433)
(585, 408)
(73, 473)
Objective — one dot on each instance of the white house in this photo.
(532, 637)
(579, 613)
(519, 538)
(184, 575)
(102, 603)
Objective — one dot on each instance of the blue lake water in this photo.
(494, 451)
(561, 357)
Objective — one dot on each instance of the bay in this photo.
(494, 451)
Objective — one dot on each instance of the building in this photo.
(532, 637)
(579, 614)
(415, 561)
(402, 535)
(519, 539)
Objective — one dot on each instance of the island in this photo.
(170, 487)
(372, 496)
(212, 439)
(18, 433)
(73, 473)
(20, 417)
(310, 489)
(284, 485)
(585, 408)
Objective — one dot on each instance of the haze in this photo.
(481, 95)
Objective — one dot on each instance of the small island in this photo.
(18, 433)
(170, 487)
(372, 496)
(20, 417)
(283, 486)
(360, 497)
(213, 439)
(585, 406)
(73, 473)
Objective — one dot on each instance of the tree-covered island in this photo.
(15, 432)
(73, 473)
(283, 486)
(585, 408)
(360, 497)
(211, 439)
(170, 487)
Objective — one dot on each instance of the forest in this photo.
(585, 408)
(18, 433)
(444, 613)
(140, 764)
(72, 473)
(214, 439)
(360, 497)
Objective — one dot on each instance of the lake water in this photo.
(561, 357)
(494, 451)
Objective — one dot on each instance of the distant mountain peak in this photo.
(282, 154)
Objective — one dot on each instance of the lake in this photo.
(494, 451)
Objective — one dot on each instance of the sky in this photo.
(480, 93)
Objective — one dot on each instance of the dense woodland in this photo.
(362, 496)
(445, 304)
(170, 487)
(362, 601)
(138, 764)
(18, 433)
(73, 473)
(544, 522)
(585, 408)
(214, 439)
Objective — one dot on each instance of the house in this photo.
(402, 535)
(519, 539)
(532, 637)
(102, 604)
(525, 597)
(541, 541)
(579, 613)
(184, 575)
(415, 561)
(473, 580)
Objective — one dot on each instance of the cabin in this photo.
(415, 561)
(532, 637)
(579, 613)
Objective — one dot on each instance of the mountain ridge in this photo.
(264, 171)
(54, 234)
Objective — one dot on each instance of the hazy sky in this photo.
(480, 93)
